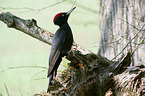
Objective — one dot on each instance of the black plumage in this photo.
(61, 44)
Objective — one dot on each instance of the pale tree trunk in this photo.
(122, 29)
(118, 22)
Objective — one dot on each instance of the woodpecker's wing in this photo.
(56, 49)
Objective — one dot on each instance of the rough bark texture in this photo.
(122, 28)
(27, 26)
(93, 75)
(131, 82)
(119, 20)
(88, 74)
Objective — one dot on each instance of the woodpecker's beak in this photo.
(68, 13)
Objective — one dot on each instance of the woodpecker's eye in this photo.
(63, 15)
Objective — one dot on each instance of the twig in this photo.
(52, 5)
(40, 78)
(84, 7)
(28, 67)
(128, 43)
(7, 90)
(31, 9)
(138, 46)
(23, 67)
(129, 24)
(37, 74)
(74, 3)
(3, 70)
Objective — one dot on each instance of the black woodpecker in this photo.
(61, 43)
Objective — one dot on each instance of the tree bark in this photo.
(122, 29)
(89, 74)
(120, 20)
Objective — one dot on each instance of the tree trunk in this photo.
(120, 22)
(91, 74)
(122, 29)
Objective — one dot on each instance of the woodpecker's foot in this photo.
(65, 53)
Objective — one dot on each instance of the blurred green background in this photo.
(18, 49)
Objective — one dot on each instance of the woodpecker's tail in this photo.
(51, 77)
(53, 73)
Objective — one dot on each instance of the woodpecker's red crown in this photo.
(62, 17)
(57, 15)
